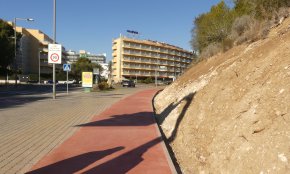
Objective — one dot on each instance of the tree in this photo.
(83, 65)
(110, 64)
(222, 27)
(244, 7)
(261, 9)
(212, 27)
(6, 44)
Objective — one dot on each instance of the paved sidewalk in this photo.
(122, 139)
(32, 125)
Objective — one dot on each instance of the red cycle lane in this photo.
(122, 139)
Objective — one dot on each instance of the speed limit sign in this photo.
(54, 53)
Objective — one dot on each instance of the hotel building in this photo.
(141, 59)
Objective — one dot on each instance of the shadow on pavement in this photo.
(14, 96)
(29, 89)
(75, 164)
(136, 119)
(124, 163)
(9, 102)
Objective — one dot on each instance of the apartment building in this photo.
(73, 56)
(105, 73)
(95, 58)
(32, 55)
(141, 59)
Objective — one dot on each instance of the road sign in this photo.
(66, 67)
(54, 53)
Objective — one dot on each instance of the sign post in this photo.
(67, 68)
(96, 71)
(54, 53)
(54, 57)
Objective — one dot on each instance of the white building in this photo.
(72, 56)
(105, 73)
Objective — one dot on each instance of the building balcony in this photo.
(114, 54)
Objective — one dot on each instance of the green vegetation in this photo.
(7, 51)
(103, 85)
(223, 27)
(147, 80)
(83, 65)
(6, 45)
(213, 27)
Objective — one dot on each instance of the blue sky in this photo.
(92, 24)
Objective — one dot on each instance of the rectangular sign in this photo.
(87, 79)
(66, 67)
(54, 53)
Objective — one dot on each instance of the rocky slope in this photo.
(231, 113)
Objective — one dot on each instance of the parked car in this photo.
(71, 81)
(51, 82)
(128, 83)
(167, 82)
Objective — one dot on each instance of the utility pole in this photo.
(38, 66)
(54, 41)
(15, 51)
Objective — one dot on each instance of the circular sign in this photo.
(54, 57)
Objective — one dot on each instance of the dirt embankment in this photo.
(231, 113)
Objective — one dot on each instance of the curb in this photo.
(171, 159)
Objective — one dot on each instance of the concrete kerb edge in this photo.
(165, 146)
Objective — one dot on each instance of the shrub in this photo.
(103, 85)
(247, 29)
(283, 12)
(227, 44)
(242, 24)
(248, 21)
(265, 29)
(148, 80)
(33, 76)
(211, 50)
(279, 16)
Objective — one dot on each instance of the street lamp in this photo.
(156, 69)
(39, 57)
(15, 41)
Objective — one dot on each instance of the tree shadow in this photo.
(17, 95)
(125, 162)
(32, 89)
(135, 119)
(188, 99)
(76, 163)
(162, 116)
(9, 102)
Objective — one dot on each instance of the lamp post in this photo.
(136, 78)
(15, 46)
(156, 69)
(54, 41)
(39, 51)
(38, 66)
